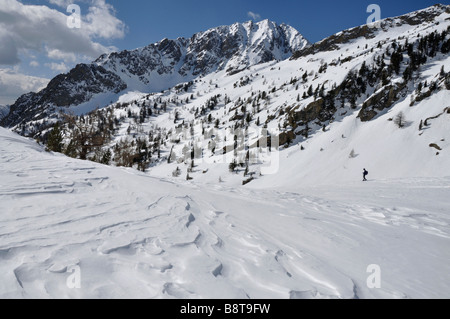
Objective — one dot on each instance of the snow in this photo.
(379, 146)
(311, 230)
(134, 236)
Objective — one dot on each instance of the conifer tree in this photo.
(400, 120)
(310, 91)
(71, 150)
(55, 139)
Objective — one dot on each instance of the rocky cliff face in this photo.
(232, 48)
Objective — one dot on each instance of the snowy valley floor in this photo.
(129, 235)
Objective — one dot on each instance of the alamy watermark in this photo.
(374, 279)
(73, 281)
(74, 20)
(374, 20)
(249, 145)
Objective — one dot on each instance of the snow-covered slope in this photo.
(310, 230)
(337, 100)
(380, 146)
(329, 142)
(118, 233)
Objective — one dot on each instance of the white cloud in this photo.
(39, 35)
(254, 16)
(61, 3)
(32, 27)
(13, 84)
(56, 54)
(101, 22)
(58, 67)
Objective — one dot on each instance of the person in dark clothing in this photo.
(365, 173)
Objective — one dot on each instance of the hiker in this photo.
(365, 173)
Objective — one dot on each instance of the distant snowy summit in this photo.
(162, 65)
(232, 48)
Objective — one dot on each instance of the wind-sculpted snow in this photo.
(131, 235)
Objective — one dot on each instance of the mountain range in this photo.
(238, 159)
(359, 82)
(162, 65)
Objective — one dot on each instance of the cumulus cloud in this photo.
(101, 22)
(56, 54)
(254, 16)
(32, 27)
(58, 67)
(61, 3)
(13, 84)
(40, 36)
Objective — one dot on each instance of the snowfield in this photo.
(76, 229)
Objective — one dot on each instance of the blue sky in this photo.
(150, 21)
(37, 45)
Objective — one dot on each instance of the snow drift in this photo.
(132, 236)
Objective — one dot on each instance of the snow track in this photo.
(131, 235)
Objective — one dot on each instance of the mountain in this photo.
(231, 48)
(160, 66)
(339, 99)
(242, 185)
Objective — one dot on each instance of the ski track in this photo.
(134, 236)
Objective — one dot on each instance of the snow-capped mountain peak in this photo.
(240, 45)
(233, 47)
(193, 213)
